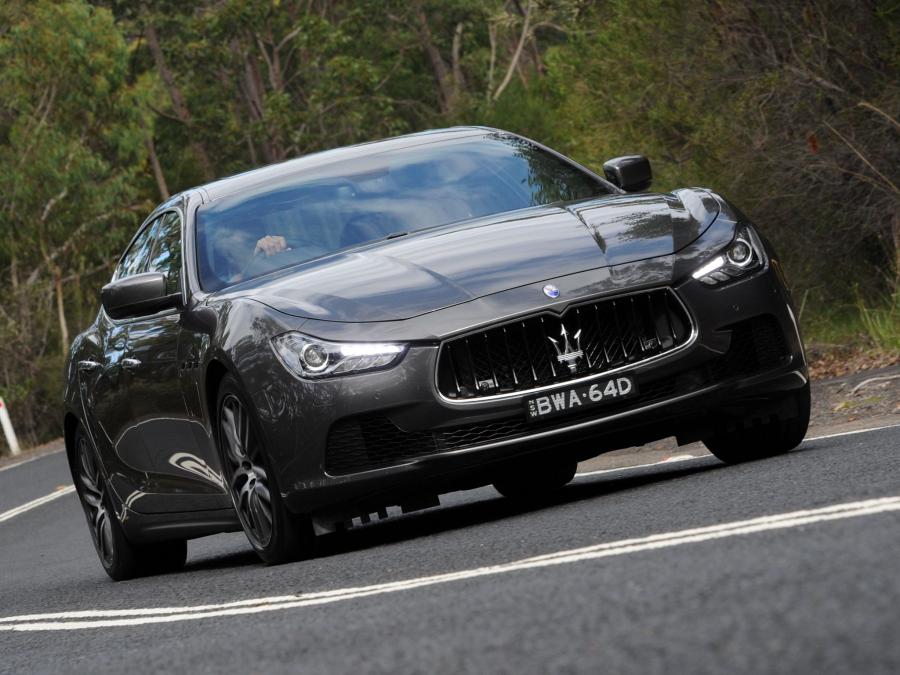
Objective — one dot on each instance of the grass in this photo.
(833, 326)
(883, 323)
(864, 325)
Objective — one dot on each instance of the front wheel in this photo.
(121, 558)
(775, 437)
(276, 535)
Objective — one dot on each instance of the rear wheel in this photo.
(121, 558)
(775, 437)
(276, 535)
(535, 478)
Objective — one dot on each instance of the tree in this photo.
(71, 147)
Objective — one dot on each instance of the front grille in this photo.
(546, 349)
(372, 441)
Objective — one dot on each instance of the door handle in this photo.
(88, 366)
(131, 364)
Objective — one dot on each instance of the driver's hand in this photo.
(270, 245)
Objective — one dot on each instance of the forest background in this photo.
(790, 108)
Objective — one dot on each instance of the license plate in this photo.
(573, 399)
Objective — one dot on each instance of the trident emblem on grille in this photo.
(566, 354)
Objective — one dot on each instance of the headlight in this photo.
(741, 257)
(310, 357)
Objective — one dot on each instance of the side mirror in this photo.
(631, 173)
(139, 295)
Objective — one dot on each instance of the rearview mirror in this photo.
(138, 295)
(631, 173)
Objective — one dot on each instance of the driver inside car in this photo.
(266, 247)
(270, 245)
(292, 232)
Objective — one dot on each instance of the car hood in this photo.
(434, 269)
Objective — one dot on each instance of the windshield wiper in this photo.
(395, 235)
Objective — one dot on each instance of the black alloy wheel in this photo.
(92, 490)
(276, 535)
(121, 558)
(248, 478)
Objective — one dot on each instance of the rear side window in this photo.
(135, 259)
(165, 255)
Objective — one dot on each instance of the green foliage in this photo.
(72, 143)
(882, 323)
(870, 324)
(71, 148)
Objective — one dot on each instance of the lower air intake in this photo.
(373, 441)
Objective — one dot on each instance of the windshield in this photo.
(349, 203)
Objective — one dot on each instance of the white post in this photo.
(11, 440)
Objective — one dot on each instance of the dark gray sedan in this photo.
(364, 329)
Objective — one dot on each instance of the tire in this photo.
(276, 535)
(535, 479)
(121, 558)
(775, 437)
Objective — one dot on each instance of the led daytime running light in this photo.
(729, 264)
(310, 357)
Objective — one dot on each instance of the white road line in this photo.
(34, 503)
(669, 460)
(851, 433)
(136, 617)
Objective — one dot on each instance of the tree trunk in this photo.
(252, 90)
(178, 103)
(61, 311)
(459, 82)
(438, 66)
(157, 170)
(514, 62)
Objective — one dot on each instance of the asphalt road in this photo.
(787, 565)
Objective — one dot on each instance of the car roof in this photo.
(242, 181)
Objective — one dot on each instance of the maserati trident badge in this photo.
(551, 291)
(566, 354)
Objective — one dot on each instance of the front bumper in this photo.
(427, 445)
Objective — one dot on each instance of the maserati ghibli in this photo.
(307, 345)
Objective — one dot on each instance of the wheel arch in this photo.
(216, 371)
(70, 426)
